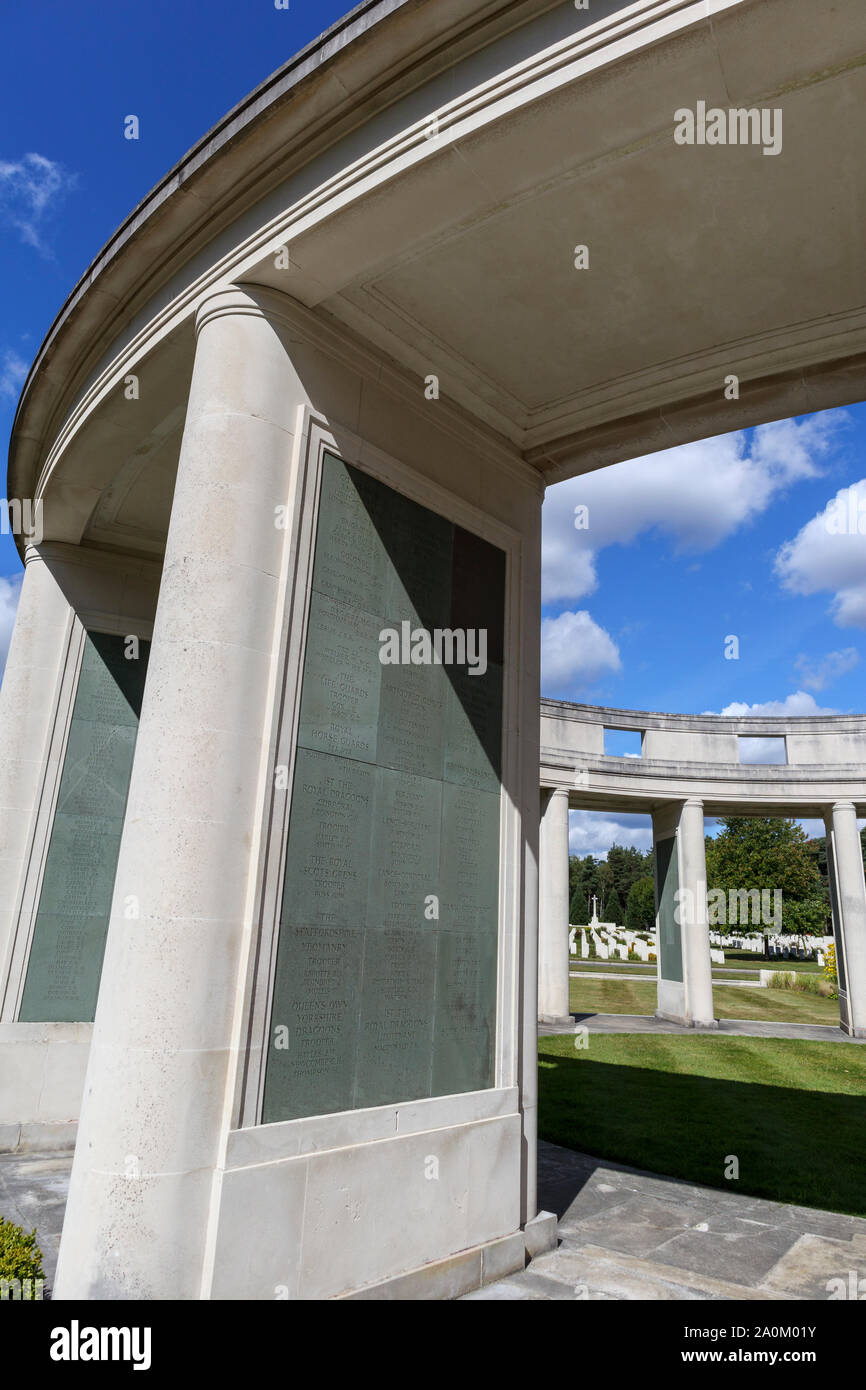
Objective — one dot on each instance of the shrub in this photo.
(800, 983)
(830, 972)
(808, 918)
(20, 1260)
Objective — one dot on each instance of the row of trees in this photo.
(763, 853)
(609, 880)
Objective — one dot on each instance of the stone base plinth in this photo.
(707, 1026)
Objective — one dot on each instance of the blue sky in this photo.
(729, 538)
(682, 551)
(747, 536)
(68, 178)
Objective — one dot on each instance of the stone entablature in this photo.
(698, 755)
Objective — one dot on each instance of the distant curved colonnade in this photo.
(690, 766)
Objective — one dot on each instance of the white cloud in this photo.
(799, 703)
(10, 592)
(30, 187)
(575, 654)
(829, 555)
(13, 370)
(771, 750)
(593, 832)
(696, 493)
(754, 751)
(816, 673)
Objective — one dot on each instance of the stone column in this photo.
(156, 1107)
(696, 932)
(28, 702)
(849, 915)
(685, 978)
(528, 734)
(553, 909)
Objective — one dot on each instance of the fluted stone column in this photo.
(696, 932)
(553, 1006)
(28, 703)
(849, 914)
(155, 1107)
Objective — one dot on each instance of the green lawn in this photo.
(639, 997)
(793, 1113)
(720, 972)
(589, 966)
(736, 961)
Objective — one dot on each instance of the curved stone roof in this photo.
(431, 164)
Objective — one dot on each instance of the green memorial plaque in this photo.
(314, 1026)
(351, 562)
(670, 931)
(386, 967)
(395, 1046)
(470, 844)
(405, 849)
(328, 854)
(411, 729)
(340, 698)
(465, 1023)
(68, 944)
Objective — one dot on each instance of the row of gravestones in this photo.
(793, 948)
(611, 943)
(779, 947)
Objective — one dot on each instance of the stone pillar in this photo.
(528, 732)
(848, 896)
(28, 701)
(553, 957)
(696, 931)
(685, 981)
(155, 1105)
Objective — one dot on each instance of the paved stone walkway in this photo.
(33, 1190)
(627, 1235)
(624, 1234)
(736, 1027)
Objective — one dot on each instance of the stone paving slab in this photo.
(33, 1190)
(734, 1027)
(624, 1234)
(631, 1235)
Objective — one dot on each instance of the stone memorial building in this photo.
(268, 880)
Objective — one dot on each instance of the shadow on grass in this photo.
(803, 1147)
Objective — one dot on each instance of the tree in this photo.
(640, 911)
(613, 908)
(589, 880)
(577, 913)
(769, 854)
(625, 866)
